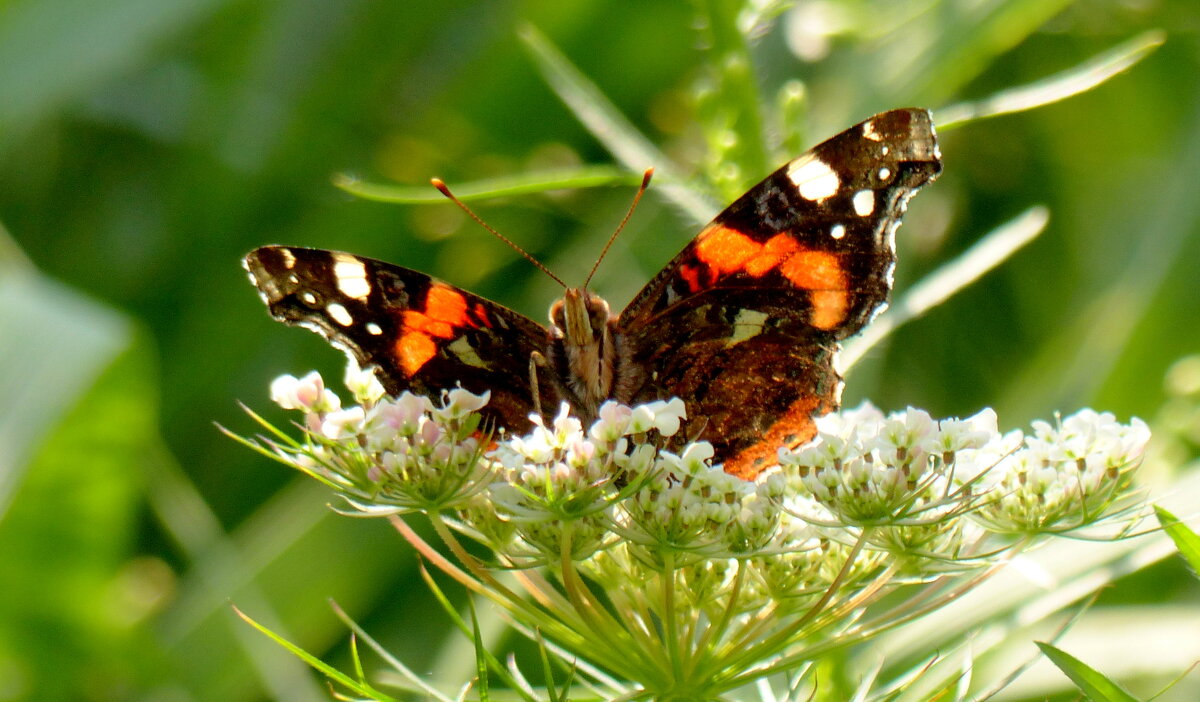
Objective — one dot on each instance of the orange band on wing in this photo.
(815, 270)
(725, 250)
(778, 249)
(446, 305)
(795, 427)
(445, 310)
(820, 272)
(413, 350)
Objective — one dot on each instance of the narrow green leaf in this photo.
(547, 670)
(481, 654)
(1185, 539)
(1060, 86)
(316, 663)
(1089, 681)
(404, 671)
(963, 49)
(609, 126)
(521, 184)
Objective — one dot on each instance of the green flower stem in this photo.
(757, 643)
(670, 615)
(610, 636)
(717, 632)
(486, 585)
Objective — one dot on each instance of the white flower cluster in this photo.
(387, 455)
(918, 476)
(865, 468)
(900, 485)
(1064, 476)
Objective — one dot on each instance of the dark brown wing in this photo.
(419, 333)
(744, 323)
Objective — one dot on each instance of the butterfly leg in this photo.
(536, 359)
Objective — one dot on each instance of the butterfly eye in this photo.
(598, 312)
(558, 315)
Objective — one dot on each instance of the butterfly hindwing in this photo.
(745, 321)
(420, 334)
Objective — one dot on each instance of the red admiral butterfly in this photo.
(742, 325)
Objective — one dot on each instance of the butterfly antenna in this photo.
(445, 190)
(632, 206)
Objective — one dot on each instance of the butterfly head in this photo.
(582, 339)
(580, 318)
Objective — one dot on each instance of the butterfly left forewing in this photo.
(419, 333)
(744, 323)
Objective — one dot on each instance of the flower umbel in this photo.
(689, 582)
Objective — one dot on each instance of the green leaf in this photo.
(520, 184)
(359, 686)
(1089, 681)
(1060, 86)
(481, 655)
(968, 41)
(1185, 539)
(75, 428)
(54, 343)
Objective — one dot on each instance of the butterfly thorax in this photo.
(583, 349)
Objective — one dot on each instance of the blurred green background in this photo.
(146, 145)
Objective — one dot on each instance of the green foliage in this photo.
(145, 146)
(1090, 681)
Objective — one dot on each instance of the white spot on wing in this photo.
(813, 177)
(289, 259)
(374, 329)
(885, 173)
(864, 202)
(308, 298)
(339, 314)
(870, 133)
(747, 325)
(351, 276)
(837, 231)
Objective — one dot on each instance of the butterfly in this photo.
(743, 324)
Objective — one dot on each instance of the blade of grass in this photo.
(518, 184)
(494, 664)
(403, 670)
(992, 250)
(968, 40)
(1090, 681)
(1060, 86)
(481, 654)
(609, 126)
(360, 687)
